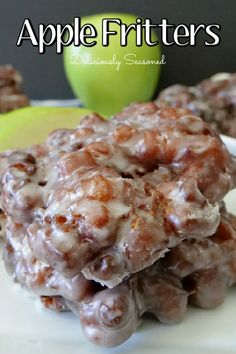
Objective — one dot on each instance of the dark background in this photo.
(44, 76)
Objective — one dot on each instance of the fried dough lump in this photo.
(110, 198)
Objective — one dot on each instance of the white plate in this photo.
(27, 328)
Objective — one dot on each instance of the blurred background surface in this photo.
(44, 75)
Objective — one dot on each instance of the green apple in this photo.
(31, 125)
(106, 88)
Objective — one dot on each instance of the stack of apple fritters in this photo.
(121, 217)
